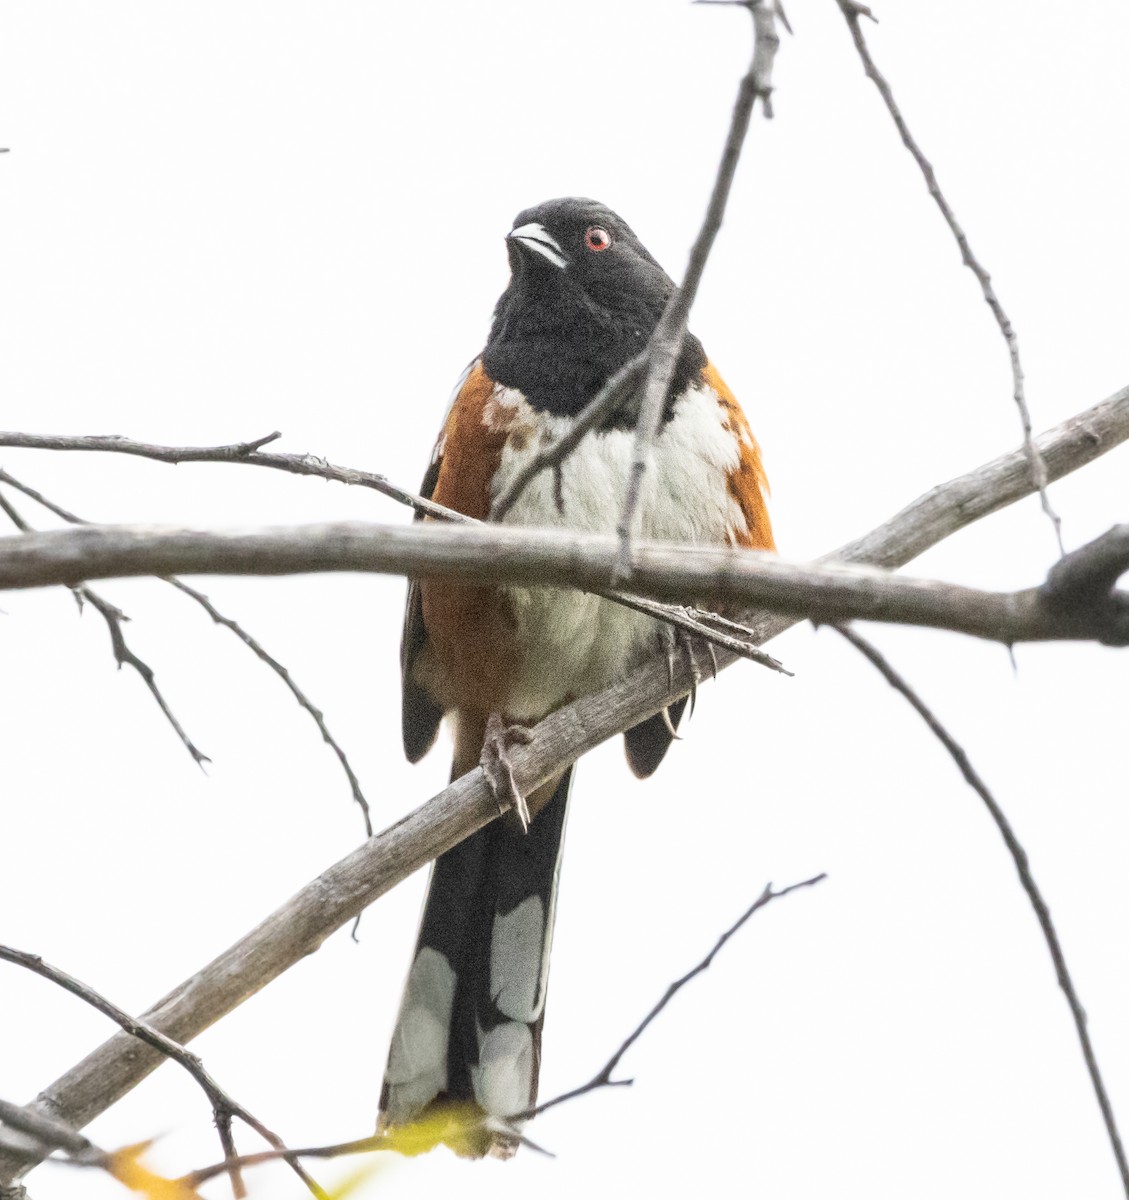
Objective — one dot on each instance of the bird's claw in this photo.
(498, 769)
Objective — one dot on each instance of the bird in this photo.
(583, 299)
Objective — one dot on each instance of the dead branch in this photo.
(316, 715)
(252, 643)
(48, 1132)
(705, 625)
(614, 393)
(493, 554)
(852, 13)
(224, 1107)
(603, 1077)
(114, 618)
(1026, 878)
(824, 592)
(301, 925)
(711, 627)
(665, 345)
(242, 452)
(41, 1134)
(124, 656)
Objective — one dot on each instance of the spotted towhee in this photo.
(583, 298)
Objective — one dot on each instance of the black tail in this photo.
(469, 1029)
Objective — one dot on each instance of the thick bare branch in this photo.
(853, 12)
(1026, 878)
(493, 554)
(341, 892)
(706, 625)
(496, 554)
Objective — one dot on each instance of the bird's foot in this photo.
(498, 768)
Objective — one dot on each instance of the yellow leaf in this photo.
(359, 1176)
(457, 1126)
(126, 1167)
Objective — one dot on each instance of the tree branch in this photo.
(666, 342)
(1026, 878)
(518, 556)
(223, 1106)
(341, 892)
(603, 1077)
(252, 643)
(852, 12)
(710, 626)
(114, 618)
(242, 452)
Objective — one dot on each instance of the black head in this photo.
(584, 297)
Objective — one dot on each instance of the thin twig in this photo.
(852, 12)
(666, 342)
(242, 452)
(223, 1106)
(603, 1077)
(606, 400)
(1023, 868)
(114, 618)
(252, 643)
(316, 714)
(711, 626)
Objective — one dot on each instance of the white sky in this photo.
(224, 218)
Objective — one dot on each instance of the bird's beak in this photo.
(538, 239)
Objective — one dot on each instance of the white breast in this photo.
(584, 643)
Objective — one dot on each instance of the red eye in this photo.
(597, 238)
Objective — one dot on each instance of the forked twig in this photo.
(114, 618)
(603, 1077)
(316, 714)
(223, 1106)
(252, 643)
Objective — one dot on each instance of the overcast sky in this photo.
(220, 219)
